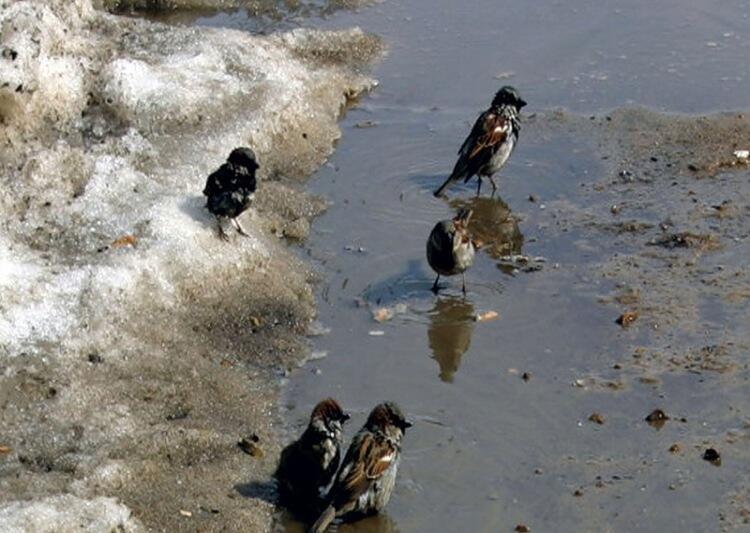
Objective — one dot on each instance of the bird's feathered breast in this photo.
(368, 458)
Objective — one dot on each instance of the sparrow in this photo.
(308, 465)
(368, 474)
(491, 141)
(230, 189)
(450, 248)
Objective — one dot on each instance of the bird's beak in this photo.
(345, 417)
(521, 103)
(407, 424)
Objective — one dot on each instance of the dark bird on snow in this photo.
(308, 465)
(450, 248)
(491, 141)
(365, 482)
(230, 189)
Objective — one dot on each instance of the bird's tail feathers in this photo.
(324, 521)
(445, 184)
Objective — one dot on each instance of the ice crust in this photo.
(110, 126)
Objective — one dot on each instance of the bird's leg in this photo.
(222, 234)
(479, 184)
(241, 231)
(435, 288)
(463, 279)
(494, 186)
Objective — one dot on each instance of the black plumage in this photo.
(490, 142)
(230, 189)
(308, 465)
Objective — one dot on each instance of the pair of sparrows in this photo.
(450, 248)
(364, 483)
(230, 189)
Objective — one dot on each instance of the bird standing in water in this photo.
(308, 465)
(230, 189)
(491, 141)
(368, 474)
(450, 249)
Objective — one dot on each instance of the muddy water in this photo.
(490, 449)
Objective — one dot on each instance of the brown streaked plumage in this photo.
(450, 249)
(490, 142)
(368, 474)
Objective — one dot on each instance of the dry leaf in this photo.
(127, 240)
(382, 314)
(488, 315)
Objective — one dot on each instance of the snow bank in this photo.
(109, 128)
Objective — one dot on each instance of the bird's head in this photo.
(386, 417)
(244, 157)
(329, 413)
(508, 96)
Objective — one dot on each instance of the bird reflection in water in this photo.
(449, 333)
(494, 226)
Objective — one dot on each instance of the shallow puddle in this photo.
(503, 435)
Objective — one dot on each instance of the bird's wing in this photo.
(495, 130)
(489, 131)
(367, 462)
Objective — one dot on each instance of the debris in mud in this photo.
(95, 359)
(522, 528)
(597, 418)
(628, 296)
(675, 448)
(376, 333)
(712, 456)
(686, 239)
(627, 318)
(657, 418)
(364, 124)
(5, 450)
(712, 358)
(486, 316)
(250, 445)
(179, 414)
(183, 512)
(578, 493)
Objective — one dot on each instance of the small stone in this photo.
(95, 359)
(250, 445)
(522, 528)
(578, 493)
(5, 450)
(526, 376)
(538, 471)
(675, 448)
(712, 456)
(532, 198)
(597, 418)
(183, 512)
(657, 418)
(627, 318)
